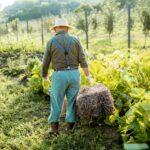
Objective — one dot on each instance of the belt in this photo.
(68, 68)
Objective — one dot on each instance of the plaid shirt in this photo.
(57, 57)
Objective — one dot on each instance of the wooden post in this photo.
(17, 30)
(27, 26)
(86, 30)
(7, 30)
(42, 31)
(129, 27)
(60, 16)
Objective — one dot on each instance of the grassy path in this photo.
(23, 124)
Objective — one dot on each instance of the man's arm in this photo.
(82, 59)
(86, 71)
(46, 60)
(83, 62)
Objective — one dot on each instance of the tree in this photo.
(15, 27)
(146, 24)
(109, 22)
(128, 4)
(125, 3)
(98, 7)
(42, 31)
(94, 23)
(84, 23)
(144, 16)
(33, 9)
(71, 6)
(109, 10)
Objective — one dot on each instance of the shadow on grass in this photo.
(84, 138)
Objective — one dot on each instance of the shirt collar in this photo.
(61, 32)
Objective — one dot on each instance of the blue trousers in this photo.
(64, 83)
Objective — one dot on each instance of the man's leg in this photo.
(57, 94)
(71, 95)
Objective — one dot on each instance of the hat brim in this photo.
(53, 28)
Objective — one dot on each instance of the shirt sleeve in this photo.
(46, 60)
(82, 58)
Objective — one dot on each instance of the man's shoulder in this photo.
(75, 38)
(50, 40)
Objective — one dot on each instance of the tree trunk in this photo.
(86, 30)
(7, 30)
(60, 16)
(129, 27)
(42, 31)
(110, 37)
(145, 40)
(27, 26)
(17, 31)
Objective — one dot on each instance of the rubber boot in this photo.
(54, 128)
(70, 126)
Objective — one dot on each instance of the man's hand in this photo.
(88, 76)
(89, 79)
(86, 71)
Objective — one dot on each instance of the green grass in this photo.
(23, 124)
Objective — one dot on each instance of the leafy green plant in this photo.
(84, 23)
(36, 83)
(135, 125)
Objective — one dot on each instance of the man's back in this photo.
(55, 55)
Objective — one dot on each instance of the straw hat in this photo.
(61, 22)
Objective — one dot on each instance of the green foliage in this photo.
(14, 25)
(13, 69)
(94, 23)
(3, 30)
(24, 45)
(109, 22)
(135, 125)
(97, 7)
(128, 79)
(26, 10)
(81, 24)
(146, 23)
(31, 64)
(36, 83)
(125, 3)
(85, 8)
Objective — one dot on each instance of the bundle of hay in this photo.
(93, 101)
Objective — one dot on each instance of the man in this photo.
(65, 53)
